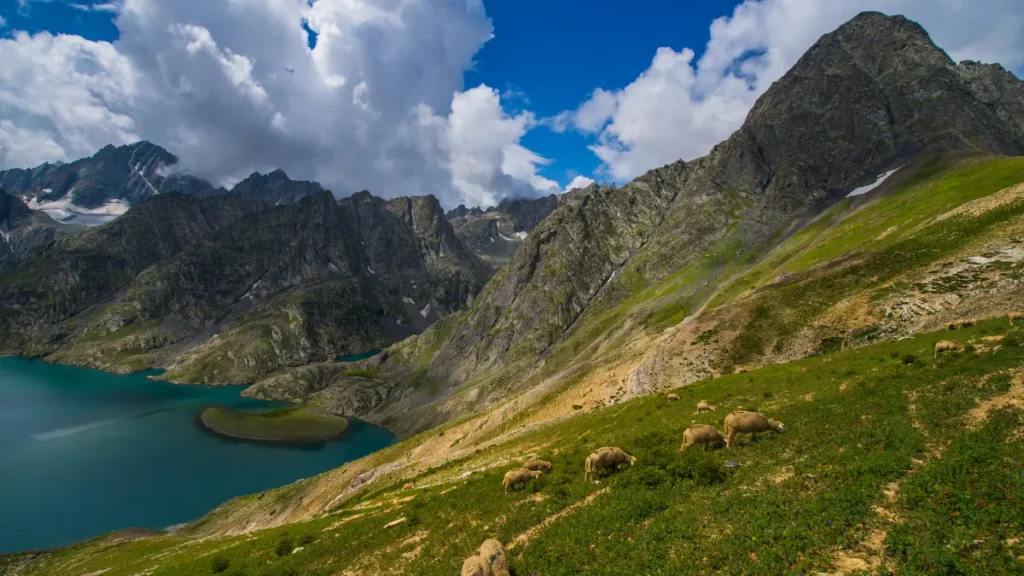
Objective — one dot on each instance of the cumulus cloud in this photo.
(479, 143)
(680, 108)
(62, 97)
(578, 182)
(377, 103)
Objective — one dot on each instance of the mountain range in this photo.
(97, 189)
(866, 99)
(873, 197)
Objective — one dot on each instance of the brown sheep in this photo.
(605, 459)
(952, 325)
(1015, 316)
(945, 346)
(967, 323)
(672, 396)
(538, 465)
(749, 423)
(474, 566)
(709, 436)
(518, 476)
(703, 406)
(492, 553)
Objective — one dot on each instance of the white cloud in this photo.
(66, 96)
(479, 143)
(236, 68)
(578, 182)
(100, 7)
(3, 23)
(371, 106)
(679, 108)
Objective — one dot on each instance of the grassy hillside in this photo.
(892, 460)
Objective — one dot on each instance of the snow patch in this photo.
(249, 294)
(408, 300)
(506, 238)
(521, 235)
(425, 311)
(878, 182)
(370, 270)
(65, 209)
(138, 171)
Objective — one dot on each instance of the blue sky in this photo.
(546, 56)
(423, 96)
(557, 52)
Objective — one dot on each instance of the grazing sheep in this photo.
(967, 323)
(492, 554)
(1015, 316)
(952, 325)
(749, 423)
(538, 465)
(672, 396)
(474, 566)
(703, 406)
(945, 346)
(709, 436)
(605, 459)
(518, 476)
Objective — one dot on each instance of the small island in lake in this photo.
(301, 423)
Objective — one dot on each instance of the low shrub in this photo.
(219, 564)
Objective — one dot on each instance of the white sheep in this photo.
(492, 554)
(703, 406)
(518, 476)
(1015, 316)
(749, 423)
(672, 396)
(945, 346)
(474, 566)
(605, 459)
(709, 436)
(538, 465)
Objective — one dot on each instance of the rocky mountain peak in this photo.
(275, 188)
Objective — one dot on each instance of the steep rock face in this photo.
(495, 234)
(865, 98)
(223, 289)
(275, 188)
(82, 270)
(23, 230)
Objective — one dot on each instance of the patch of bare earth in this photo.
(524, 538)
(1012, 397)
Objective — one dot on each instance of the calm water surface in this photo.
(83, 453)
(359, 356)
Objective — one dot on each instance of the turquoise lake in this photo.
(83, 453)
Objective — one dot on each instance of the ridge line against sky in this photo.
(470, 101)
